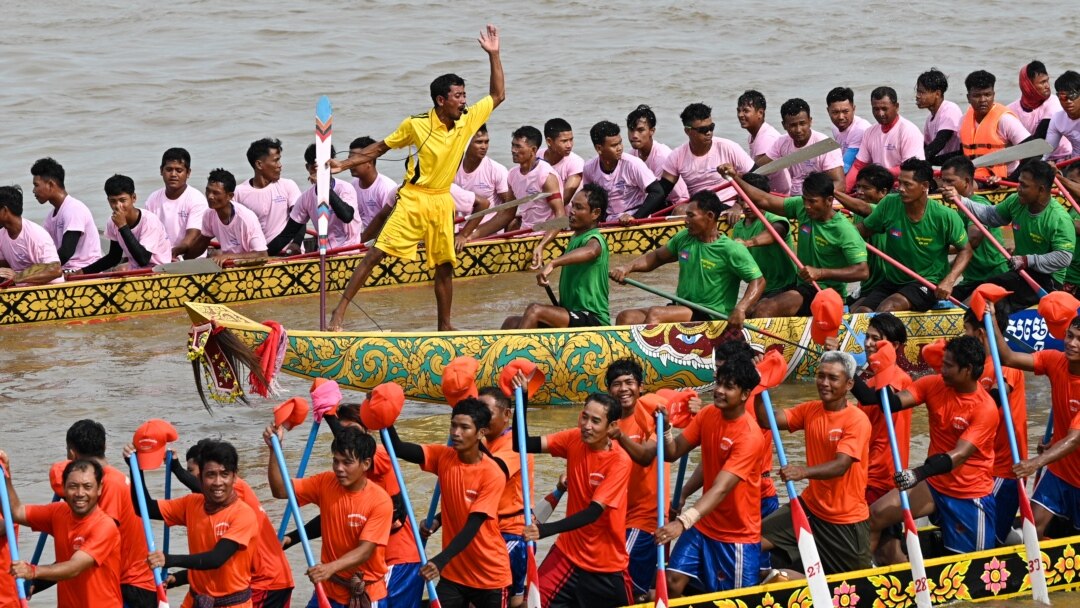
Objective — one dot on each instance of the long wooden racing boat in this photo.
(574, 360)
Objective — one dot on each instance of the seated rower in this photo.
(583, 284)
(873, 183)
(69, 222)
(234, 226)
(837, 438)
(891, 141)
(795, 118)
(344, 226)
(1070, 179)
(1045, 237)
(988, 126)
(374, 190)
(697, 161)
(179, 206)
(267, 194)
(775, 264)
(958, 174)
(750, 111)
(958, 491)
(27, 253)
(710, 268)
(941, 139)
(919, 233)
(641, 132)
(1066, 122)
(632, 189)
(1037, 105)
(559, 153)
(847, 126)
(829, 245)
(138, 236)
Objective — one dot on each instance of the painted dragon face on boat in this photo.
(683, 343)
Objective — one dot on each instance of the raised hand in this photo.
(489, 39)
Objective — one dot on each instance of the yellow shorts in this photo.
(420, 216)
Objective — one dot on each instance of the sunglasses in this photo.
(1068, 95)
(704, 130)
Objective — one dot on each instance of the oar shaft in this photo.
(778, 443)
(772, 231)
(140, 494)
(9, 530)
(168, 495)
(294, 508)
(894, 447)
(680, 477)
(661, 489)
(993, 241)
(300, 470)
(523, 458)
(1066, 193)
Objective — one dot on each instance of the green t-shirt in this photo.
(775, 265)
(1050, 230)
(876, 264)
(1072, 273)
(585, 286)
(832, 244)
(710, 273)
(922, 246)
(987, 261)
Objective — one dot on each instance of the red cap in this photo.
(383, 406)
(459, 380)
(987, 292)
(678, 406)
(645, 410)
(1058, 309)
(934, 354)
(883, 362)
(151, 441)
(533, 373)
(828, 314)
(292, 413)
(56, 476)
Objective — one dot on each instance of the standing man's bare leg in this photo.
(444, 294)
(356, 281)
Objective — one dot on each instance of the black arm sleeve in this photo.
(179, 578)
(68, 245)
(312, 527)
(532, 444)
(211, 560)
(868, 396)
(409, 452)
(934, 148)
(341, 209)
(461, 540)
(151, 504)
(580, 519)
(1041, 129)
(104, 263)
(335, 425)
(139, 254)
(654, 200)
(185, 477)
(667, 186)
(291, 229)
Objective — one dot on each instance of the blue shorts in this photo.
(714, 565)
(641, 547)
(519, 562)
(769, 505)
(404, 586)
(967, 524)
(1059, 497)
(1006, 503)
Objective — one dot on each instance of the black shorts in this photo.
(842, 547)
(137, 597)
(454, 595)
(807, 291)
(276, 598)
(584, 318)
(695, 314)
(920, 297)
(1022, 295)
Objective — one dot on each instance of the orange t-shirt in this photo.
(467, 489)
(768, 488)
(236, 522)
(841, 500)
(96, 535)
(347, 519)
(599, 476)
(115, 501)
(1014, 381)
(270, 570)
(971, 417)
(880, 469)
(9, 597)
(734, 446)
(511, 504)
(641, 489)
(401, 548)
(1065, 407)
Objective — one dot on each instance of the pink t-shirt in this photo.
(657, 157)
(74, 216)
(488, 180)
(851, 137)
(32, 246)
(464, 201)
(1031, 121)
(700, 171)
(338, 233)
(625, 185)
(270, 204)
(241, 235)
(179, 215)
(1063, 127)
(797, 173)
(570, 165)
(1013, 132)
(150, 234)
(372, 199)
(532, 183)
(761, 144)
(903, 141)
(948, 118)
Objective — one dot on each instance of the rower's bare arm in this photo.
(675, 448)
(960, 262)
(187, 245)
(763, 416)
(18, 512)
(960, 453)
(199, 246)
(1054, 453)
(479, 204)
(489, 41)
(571, 186)
(60, 571)
(1009, 357)
(643, 263)
(836, 467)
(368, 154)
(39, 274)
(765, 201)
(355, 558)
(837, 175)
(581, 255)
(864, 232)
(855, 205)
(724, 483)
(501, 220)
(1072, 186)
(643, 454)
(375, 225)
(754, 290)
(847, 274)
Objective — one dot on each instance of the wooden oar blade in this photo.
(802, 155)
(514, 203)
(820, 594)
(1032, 553)
(1028, 149)
(196, 266)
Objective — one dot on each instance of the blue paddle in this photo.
(661, 494)
(140, 494)
(300, 470)
(168, 495)
(532, 576)
(9, 530)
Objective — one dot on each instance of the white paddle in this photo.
(801, 155)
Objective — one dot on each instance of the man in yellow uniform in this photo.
(424, 210)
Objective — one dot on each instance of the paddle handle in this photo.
(772, 231)
(140, 494)
(894, 447)
(523, 457)
(990, 238)
(9, 530)
(1003, 393)
(778, 443)
(1065, 193)
(680, 477)
(168, 495)
(433, 597)
(661, 489)
(300, 470)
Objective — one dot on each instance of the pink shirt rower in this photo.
(1031, 121)
(655, 162)
(488, 180)
(1063, 127)
(889, 149)
(371, 200)
(570, 165)
(32, 246)
(625, 185)
(699, 172)
(948, 118)
(151, 235)
(270, 204)
(761, 144)
(797, 173)
(532, 183)
(338, 233)
(178, 215)
(241, 235)
(74, 216)
(852, 136)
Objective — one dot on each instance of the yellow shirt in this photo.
(439, 153)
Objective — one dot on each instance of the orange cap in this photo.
(828, 314)
(1058, 309)
(383, 406)
(56, 476)
(533, 373)
(292, 413)
(459, 380)
(934, 354)
(678, 406)
(645, 410)
(883, 362)
(151, 441)
(987, 292)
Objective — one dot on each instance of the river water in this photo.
(105, 87)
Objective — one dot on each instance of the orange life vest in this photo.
(977, 140)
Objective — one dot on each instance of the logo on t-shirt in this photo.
(1074, 406)
(895, 233)
(595, 479)
(960, 423)
(471, 495)
(221, 529)
(726, 443)
(77, 543)
(356, 520)
(835, 435)
(805, 229)
(280, 200)
(684, 255)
